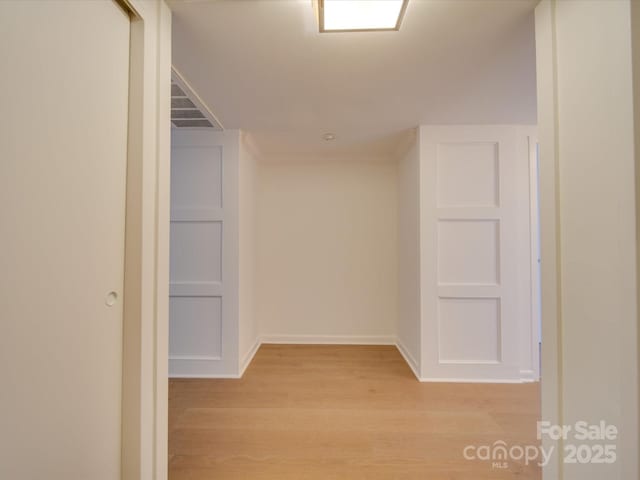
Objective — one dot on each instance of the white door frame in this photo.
(534, 218)
(549, 225)
(145, 334)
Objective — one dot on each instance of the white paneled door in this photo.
(63, 158)
(203, 328)
(469, 201)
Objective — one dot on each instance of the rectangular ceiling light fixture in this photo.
(360, 15)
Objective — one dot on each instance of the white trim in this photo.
(536, 258)
(205, 375)
(474, 380)
(248, 358)
(295, 340)
(204, 358)
(468, 362)
(527, 376)
(330, 339)
(413, 365)
(546, 81)
(145, 398)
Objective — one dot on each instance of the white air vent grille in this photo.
(181, 102)
(192, 123)
(185, 114)
(187, 109)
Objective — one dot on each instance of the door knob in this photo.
(111, 299)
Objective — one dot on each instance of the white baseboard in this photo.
(205, 375)
(330, 339)
(201, 367)
(249, 356)
(528, 376)
(470, 380)
(413, 364)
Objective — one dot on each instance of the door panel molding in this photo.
(470, 261)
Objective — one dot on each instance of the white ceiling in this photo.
(262, 66)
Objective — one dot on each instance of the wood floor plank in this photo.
(343, 412)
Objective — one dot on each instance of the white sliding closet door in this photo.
(470, 253)
(64, 96)
(203, 327)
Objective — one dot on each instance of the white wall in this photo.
(326, 265)
(247, 182)
(409, 319)
(589, 244)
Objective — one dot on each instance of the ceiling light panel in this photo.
(360, 15)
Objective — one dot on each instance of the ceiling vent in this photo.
(187, 108)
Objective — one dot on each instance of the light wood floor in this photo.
(342, 412)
